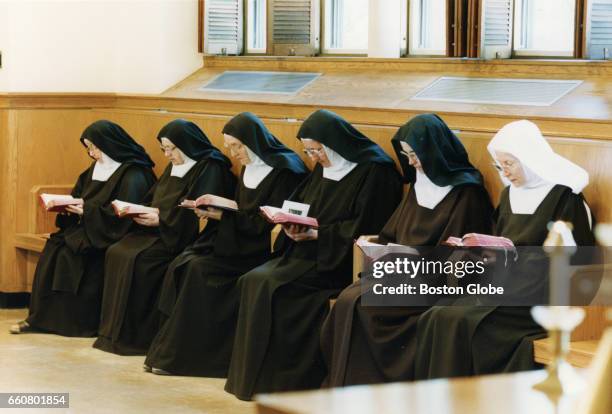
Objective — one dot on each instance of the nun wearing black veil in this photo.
(135, 266)
(199, 299)
(68, 282)
(541, 186)
(367, 344)
(352, 190)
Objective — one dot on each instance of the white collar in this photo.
(255, 171)
(182, 169)
(104, 169)
(340, 166)
(528, 197)
(427, 193)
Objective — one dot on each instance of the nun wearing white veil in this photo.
(541, 186)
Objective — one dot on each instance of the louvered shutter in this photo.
(293, 27)
(599, 29)
(496, 29)
(223, 23)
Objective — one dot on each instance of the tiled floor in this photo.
(99, 382)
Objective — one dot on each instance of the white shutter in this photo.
(496, 29)
(599, 29)
(223, 22)
(293, 27)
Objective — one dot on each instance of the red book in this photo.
(480, 240)
(58, 202)
(210, 200)
(277, 216)
(125, 209)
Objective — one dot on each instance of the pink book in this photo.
(479, 240)
(58, 202)
(277, 216)
(210, 200)
(125, 209)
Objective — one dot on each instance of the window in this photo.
(544, 27)
(427, 27)
(256, 26)
(346, 26)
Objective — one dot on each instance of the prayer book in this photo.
(375, 251)
(480, 240)
(277, 215)
(125, 209)
(210, 200)
(59, 202)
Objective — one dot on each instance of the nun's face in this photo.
(171, 151)
(510, 167)
(93, 151)
(315, 152)
(237, 149)
(409, 153)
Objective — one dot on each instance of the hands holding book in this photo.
(209, 213)
(147, 219)
(74, 209)
(300, 233)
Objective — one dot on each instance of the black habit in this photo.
(476, 340)
(135, 266)
(284, 301)
(68, 282)
(368, 344)
(199, 298)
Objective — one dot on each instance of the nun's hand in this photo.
(147, 219)
(300, 233)
(209, 213)
(75, 210)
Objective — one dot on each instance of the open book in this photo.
(59, 202)
(480, 240)
(125, 209)
(210, 200)
(277, 215)
(375, 251)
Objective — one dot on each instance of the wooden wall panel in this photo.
(41, 146)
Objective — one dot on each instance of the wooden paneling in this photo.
(41, 146)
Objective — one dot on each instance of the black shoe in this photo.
(159, 371)
(146, 368)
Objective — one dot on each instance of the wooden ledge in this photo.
(31, 241)
(580, 353)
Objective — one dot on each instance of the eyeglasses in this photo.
(234, 146)
(313, 151)
(409, 155)
(167, 149)
(505, 166)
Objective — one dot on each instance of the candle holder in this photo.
(559, 319)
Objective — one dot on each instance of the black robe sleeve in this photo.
(65, 220)
(573, 210)
(246, 232)
(473, 213)
(100, 226)
(180, 228)
(389, 232)
(374, 203)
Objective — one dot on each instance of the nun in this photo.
(135, 266)
(199, 299)
(68, 281)
(367, 344)
(352, 190)
(540, 187)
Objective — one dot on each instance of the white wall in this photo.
(134, 46)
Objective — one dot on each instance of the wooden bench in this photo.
(40, 223)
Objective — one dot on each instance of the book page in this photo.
(296, 208)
